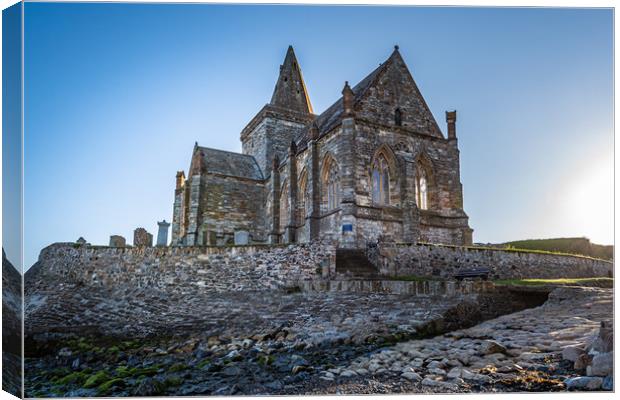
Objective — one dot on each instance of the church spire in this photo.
(290, 91)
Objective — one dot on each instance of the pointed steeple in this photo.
(290, 91)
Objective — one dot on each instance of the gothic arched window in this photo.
(398, 117)
(284, 207)
(380, 181)
(331, 185)
(421, 190)
(304, 198)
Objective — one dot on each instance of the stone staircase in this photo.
(353, 264)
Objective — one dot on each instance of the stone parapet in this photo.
(430, 260)
(216, 269)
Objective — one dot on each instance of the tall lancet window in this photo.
(284, 207)
(380, 181)
(421, 190)
(331, 185)
(304, 198)
(398, 117)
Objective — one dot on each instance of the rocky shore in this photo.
(319, 343)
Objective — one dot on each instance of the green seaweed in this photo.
(96, 379)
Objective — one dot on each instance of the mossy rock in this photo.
(105, 387)
(173, 381)
(77, 378)
(148, 371)
(122, 371)
(178, 367)
(266, 360)
(203, 363)
(96, 379)
(57, 373)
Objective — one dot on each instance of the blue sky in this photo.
(117, 94)
(11, 134)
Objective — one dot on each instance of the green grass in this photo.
(511, 248)
(579, 246)
(563, 281)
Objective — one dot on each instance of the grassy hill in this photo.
(581, 246)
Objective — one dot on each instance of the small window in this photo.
(398, 117)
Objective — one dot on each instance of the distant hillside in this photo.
(581, 246)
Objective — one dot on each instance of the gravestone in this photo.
(162, 234)
(141, 238)
(242, 237)
(117, 241)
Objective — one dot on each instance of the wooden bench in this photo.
(473, 273)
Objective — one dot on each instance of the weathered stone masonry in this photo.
(397, 259)
(237, 268)
(219, 269)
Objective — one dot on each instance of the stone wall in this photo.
(230, 204)
(217, 269)
(411, 288)
(398, 259)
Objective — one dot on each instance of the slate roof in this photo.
(230, 164)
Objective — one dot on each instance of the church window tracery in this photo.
(331, 184)
(381, 181)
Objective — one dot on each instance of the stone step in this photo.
(354, 263)
(383, 285)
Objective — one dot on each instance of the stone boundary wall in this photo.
(175, 268)
(414, 288)
(402, 259)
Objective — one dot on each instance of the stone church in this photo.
(374, 164)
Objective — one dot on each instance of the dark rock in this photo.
(149, 387)
(231, 371)
(274, 385)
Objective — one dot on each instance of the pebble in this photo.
(584, 382)
(412, 376)
(348, 373)
(572, 353)
(491, 347)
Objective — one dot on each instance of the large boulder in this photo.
(584, 382)
(603, 364)
(572, 353)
